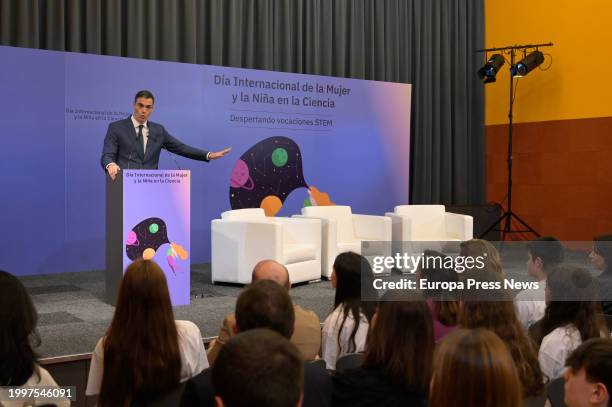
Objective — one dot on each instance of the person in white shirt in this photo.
(18, 360)
(145, 352)
(572, 316)
(543, 254)
(346, 329)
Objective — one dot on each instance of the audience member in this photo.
(601, 258)
(398, 362)
(263, 304)
(572, 316)
(145, 352)
(588, 378)
(543, 254)
(258, 368)
(346, 329)
(18, 338)
(474, 368)
(500, 318)
(443, 303)
(482, 248)
(307, 331)
(483, 284)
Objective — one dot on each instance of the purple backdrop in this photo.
(56, 106)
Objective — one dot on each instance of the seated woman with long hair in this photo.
(443, 303)
(573, 315)
(18, 338)
(346, 329)
(472, 367)
(145, 352)
(398, 361)
(500, 317)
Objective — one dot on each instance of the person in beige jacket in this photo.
(307, 332)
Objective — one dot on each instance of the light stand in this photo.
(506, 217)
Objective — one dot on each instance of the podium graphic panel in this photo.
(155, 226)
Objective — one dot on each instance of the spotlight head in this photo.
(527, 64)
(489, 70)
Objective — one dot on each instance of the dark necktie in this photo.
(141, 139)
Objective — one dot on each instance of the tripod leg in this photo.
(507, 226)
(532, 230)
(490, 228)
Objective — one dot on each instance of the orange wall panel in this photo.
(562, 173)
(577, 84)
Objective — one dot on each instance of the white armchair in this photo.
(424, 223)
(343, 231)
(243, 237)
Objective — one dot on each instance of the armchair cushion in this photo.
(295, 253)
(429, 223)
(339, 213)
(343, 231)
(244, 214)
(349, 246)
(244, 237)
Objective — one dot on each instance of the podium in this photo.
(148, 215)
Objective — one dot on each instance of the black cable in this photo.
(515, 88)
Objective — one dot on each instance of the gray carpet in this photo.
(73, 314)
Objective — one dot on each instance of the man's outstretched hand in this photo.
(218, 154)
(113, 169)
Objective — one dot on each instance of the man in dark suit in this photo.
(136, 143)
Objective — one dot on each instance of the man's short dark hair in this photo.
(144, 94)
(265, 304)
(549, 249)
(259, 368)
(595, 357)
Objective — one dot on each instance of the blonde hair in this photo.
(480, 247)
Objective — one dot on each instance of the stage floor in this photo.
(73, 315)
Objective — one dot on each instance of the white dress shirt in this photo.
(555, 348)
(145, 131)
(330, 352)
(530, 305)
(191, 348)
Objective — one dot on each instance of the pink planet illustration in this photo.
(240, 176)
(132, 239)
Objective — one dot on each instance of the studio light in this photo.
(527, 64)
(489, 70)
